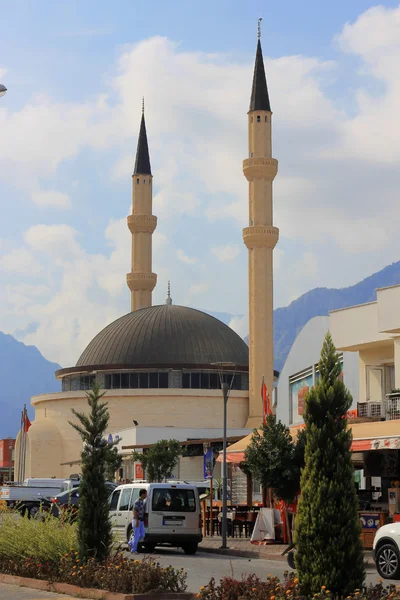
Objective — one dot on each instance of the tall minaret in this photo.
(141, 281)
(260, 238)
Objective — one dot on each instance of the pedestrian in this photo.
(138, 521)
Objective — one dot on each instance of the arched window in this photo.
(144, 181)
(252, 119)
(137, 180)
(266, 119)
(251, 154)
(258, 118)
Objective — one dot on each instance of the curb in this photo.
(243, 553)
(78, 592)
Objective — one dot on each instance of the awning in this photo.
(373, 435)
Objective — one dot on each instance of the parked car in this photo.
(69, 501)
(172, 515)
(386, 551)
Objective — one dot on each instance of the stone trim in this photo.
(142, 223)
(141, 281)
(260, 168)
(78, 592)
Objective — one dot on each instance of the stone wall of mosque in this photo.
(52, 441)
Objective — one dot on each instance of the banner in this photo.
(208, 462)
(139, 473)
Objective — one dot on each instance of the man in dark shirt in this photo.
(138, 520)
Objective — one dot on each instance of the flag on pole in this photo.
(266, 401)
(27, 423)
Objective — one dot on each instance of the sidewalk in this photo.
(243, 548)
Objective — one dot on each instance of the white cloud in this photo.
(185, 258)
(51, 198)
(336, 192)
(240, 324)
(195, 290)
(20, 262)
(226, 253)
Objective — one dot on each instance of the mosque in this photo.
(160, 365)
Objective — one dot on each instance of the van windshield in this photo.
(171, 500)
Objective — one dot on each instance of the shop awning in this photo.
(374, 435)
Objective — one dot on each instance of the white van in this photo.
(172, 515)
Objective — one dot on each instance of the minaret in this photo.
(260, 238)
(141, 281)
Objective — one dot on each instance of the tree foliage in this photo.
(94, 527)
(327, 532)
(114, 462)
(275, 460)
(160, 460)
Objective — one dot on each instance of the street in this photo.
(200, 569)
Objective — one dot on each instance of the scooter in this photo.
(290, 551)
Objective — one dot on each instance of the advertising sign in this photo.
(208, 462)
(139, 473)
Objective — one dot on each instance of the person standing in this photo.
(138, 521)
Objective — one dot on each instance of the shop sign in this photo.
(301, 394)
(139, 472)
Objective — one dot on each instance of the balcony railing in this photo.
(387, 410)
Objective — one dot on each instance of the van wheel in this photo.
(190, 549)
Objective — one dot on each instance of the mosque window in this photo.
(266, 119)
(163, 380)
(116, 381)
(251, 154)
(144, 181)
(134, 380)
(258, 118)
(125, 380)
(205, 381)
(214, 381)
(252, 119)
(137, 180)
(186, 380)
(153, 380)
(143, 380)
(195, 381)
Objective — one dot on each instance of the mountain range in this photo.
(24, 372)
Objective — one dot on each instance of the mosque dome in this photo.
(165, 336)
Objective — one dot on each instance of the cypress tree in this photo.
(94, 527)
(327, 533)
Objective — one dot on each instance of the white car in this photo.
(386, 551)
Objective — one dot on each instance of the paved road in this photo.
(11, 592)
(200, 569)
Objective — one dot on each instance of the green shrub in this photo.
(251, 587)
(45, 538)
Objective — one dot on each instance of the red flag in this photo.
(265, 400)
(27, 423)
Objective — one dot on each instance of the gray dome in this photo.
(165, 336)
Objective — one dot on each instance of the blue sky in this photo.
(76, 72)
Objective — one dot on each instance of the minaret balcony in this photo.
(142, 223)
(143, 282)
(260, 168)
(259, 236)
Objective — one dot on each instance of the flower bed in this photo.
(118, 574)
(252, 587)
(46, 549)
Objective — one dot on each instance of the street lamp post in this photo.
(226, 388)
(3, 90)
(225, 392)
(10, 448)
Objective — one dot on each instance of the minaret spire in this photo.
(260, 238)
(168, 299)
(259, 94)
(141, 281)
(142, 162)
